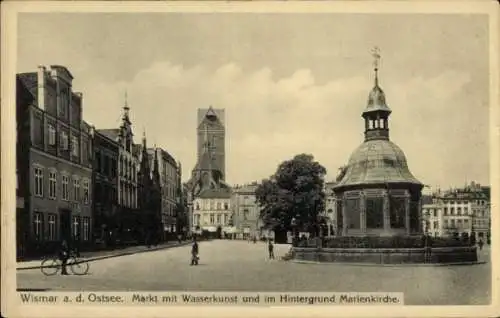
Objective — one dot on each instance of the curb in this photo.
(97, 258)
(387, 265)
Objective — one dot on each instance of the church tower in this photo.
(211, 129)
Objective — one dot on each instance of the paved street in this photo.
(243, 266)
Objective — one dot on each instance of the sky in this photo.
(290, 83)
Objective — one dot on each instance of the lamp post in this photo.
(293, 224)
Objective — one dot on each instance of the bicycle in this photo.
(50, 266)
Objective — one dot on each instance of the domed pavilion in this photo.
(378, 195)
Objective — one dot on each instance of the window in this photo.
(52, 227)
(212, 218)
(52, 184)
(197, 219)
(218, 218)
(245, 214)
(219, 205)
(52, 135)
(76, 227)
(38, 226)
(64, 140)
(65, 189)
(452, 211)
(85, 186)
(226, 206)
(74, 146)
(38, 182)
(435, 212)
(76, 189)
(445, 211)
(86, 228)
(225, 218)
(436, 224)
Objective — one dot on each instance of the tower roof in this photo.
(376, 98)
(211, 120)
(376, 101)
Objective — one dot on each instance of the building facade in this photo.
(127, 176)
(169, 173)
(105, 187)
(246, 211)
(378, 195)
(458, 211)
(58, 198)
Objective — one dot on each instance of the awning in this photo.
(211, 229)
(230, 230)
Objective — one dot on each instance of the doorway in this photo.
(65, 224)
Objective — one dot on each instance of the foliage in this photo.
(295, 191)
(342, 172)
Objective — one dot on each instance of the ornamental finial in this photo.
(376, 62)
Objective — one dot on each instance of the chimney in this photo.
(41, 86)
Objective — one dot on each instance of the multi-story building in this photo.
(432, 216)
(58, 153)
(168, 170)
(105, 185)
(330, 212)
(457, 211)
(246, 211)
(128, 166)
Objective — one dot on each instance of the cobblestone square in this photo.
(244, 266)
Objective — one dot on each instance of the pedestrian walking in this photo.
(481, 243)
(64, 256)
(270, 248)
(194, 252)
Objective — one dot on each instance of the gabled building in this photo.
(170, 188)
(55, 162)
(127, 181)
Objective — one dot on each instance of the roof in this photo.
(211, 121)
(219, 193)
(24, 95)
(30, 82)
(377, 162)
(248, 188)
(376, 101)
(112, 134)
(63, 69)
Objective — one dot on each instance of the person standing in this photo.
(64, 256)
(194, 252)
(480, 244)
(270, 248)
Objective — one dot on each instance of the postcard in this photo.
(214, 159)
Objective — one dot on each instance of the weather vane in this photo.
(376, 57)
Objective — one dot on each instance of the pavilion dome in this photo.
(376, 100)
(377, 161)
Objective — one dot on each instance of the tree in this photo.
(295, 191)
(342, 172)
